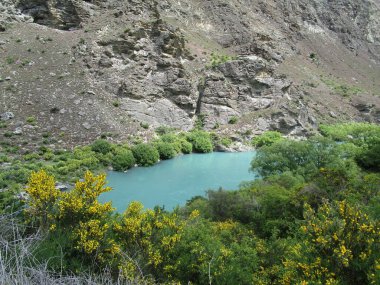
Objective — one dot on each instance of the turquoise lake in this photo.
(173, 182)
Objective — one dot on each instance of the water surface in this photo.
(173, 182)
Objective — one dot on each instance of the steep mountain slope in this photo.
(72, 71)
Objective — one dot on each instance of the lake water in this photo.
(173, 182)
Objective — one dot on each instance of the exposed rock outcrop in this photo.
(86, 69)
(60, 14)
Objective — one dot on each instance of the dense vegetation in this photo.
(312, 218)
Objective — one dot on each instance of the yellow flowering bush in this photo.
(81, 203)
(78, 212)
(149, 235)
(42, 197)
(340, 244)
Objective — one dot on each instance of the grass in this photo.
(233, 120)
(217, 59)
(10, 60)
(19, 266)
(342, 89)
(31, 120)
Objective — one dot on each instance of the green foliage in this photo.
(227, 142)
(10, 60)
(162, 130)
(263, 233)
(359, 134)
(200, 122)
(313, 56)
(364, 136)
(342, 89)
(370, 158)
(166, 150)
(101, 146)
(31, 120)
(123, 160)
(201, 141)
(233, 120)
(145, 154)
(267, 138)
(340, 245)
(305, 158)
(144, 125)
(186, 147)
(266, 207)
(217, 59)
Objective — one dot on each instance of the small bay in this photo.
(173, 182)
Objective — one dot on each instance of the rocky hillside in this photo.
(72, 71)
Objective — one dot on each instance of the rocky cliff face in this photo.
(120, 65)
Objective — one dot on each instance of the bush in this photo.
(360, 134)
(172, 139)
(123, 160)
(370, 158)
(166, 150)
(201, 141)
(145, 154)
(233, 120)
(267, 138)
(305, 158)
(186, 147)
(144, 125)
(31, 120)
(101, 146)
(217, 59)
(227, 142)
(162, 130)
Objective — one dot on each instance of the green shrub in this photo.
(233, 120)
(31, 120)
(162, 130)
(186, 147)
(226, 141)
(31, 156)
(10, 60)
(217, 59)
(48, 155)
(8, 134)
(200, 121)
(101, 146)
(173, 139)
(370, 158)
(305, 158)
(342, 89)
(144, 125)
(123, 160)
(267, 138)
(201, 141)
(145, 154)
(359, 134)
(166, 150)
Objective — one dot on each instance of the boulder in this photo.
(7, 116)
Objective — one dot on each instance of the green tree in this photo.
(201, 141)
(267, 139)
(166, 150)
(123, 160)
(145, 154)
(101, 146)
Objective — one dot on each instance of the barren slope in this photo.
(72, 71)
